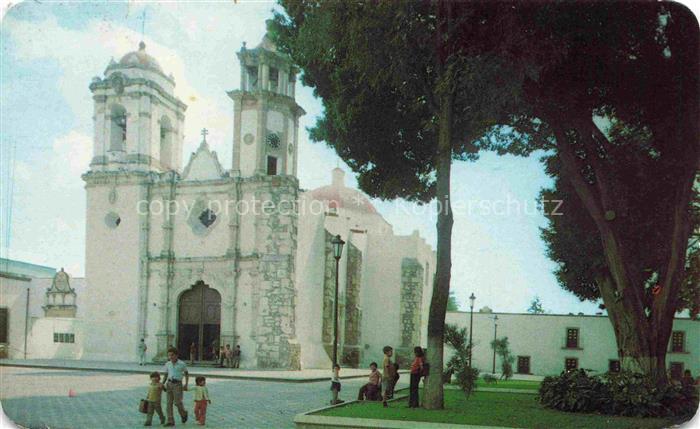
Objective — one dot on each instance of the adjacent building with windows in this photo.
(39, 312)
(547, 344)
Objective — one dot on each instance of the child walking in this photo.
(335, 385)
(201, 399)
(154, 394)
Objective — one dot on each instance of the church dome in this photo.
(337, 195)
(140, 59)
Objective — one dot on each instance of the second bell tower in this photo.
(265, 114)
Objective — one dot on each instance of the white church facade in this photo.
(208, 255)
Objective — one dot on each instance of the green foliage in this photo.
(502, 348)
(536, 306)
(490, 378)
(572, 391)
(625, 394)
(458, 340)
(458, 365)
(452, 304)
(466, 379)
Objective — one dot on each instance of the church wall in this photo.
(310, 261)
(112, 270)
(249, 119)
(192, 239)
(275, 296)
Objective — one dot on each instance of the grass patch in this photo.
(510, 384)
(494, 409)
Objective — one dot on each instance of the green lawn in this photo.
(493, 409)
(510, 384)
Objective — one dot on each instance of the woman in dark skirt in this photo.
(335, 385)
(416, 373)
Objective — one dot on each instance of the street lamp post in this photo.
(472, 298)
(495, 330)
(337, 253)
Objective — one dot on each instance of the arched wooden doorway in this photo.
(199, 321)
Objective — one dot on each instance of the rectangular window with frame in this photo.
(523, 364)
(571, 364)
(60, 337)
(676, 370)
(678, 342)
(613, 365)
(4, 325)
(572, 338)
(271, 166)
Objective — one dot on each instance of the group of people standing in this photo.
(175, 382)
(229, 358)
(380, 385)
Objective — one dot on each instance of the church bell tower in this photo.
(265, 114)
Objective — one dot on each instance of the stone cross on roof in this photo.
(204, 134)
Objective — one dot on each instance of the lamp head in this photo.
(337, 246)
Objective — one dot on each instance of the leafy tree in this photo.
(617, 86)
(403, 97)
(536, 306)
(452, 304)
(502, 348)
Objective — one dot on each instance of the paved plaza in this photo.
(38, 398)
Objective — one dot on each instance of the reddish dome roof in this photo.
(339, 196)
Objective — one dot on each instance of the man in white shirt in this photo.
(175, 371)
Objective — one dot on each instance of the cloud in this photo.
(82, 54)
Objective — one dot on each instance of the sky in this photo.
(50, 52)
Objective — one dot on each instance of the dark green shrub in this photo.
(466, 378)
(490, 378)
(625, 394)
(636, 395)
(572, 391)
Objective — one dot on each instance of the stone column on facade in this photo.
(99, 126)
(260, 146)
(236, 159)
(285, 145)
(144, 262)
(265, 77)
(296, 143)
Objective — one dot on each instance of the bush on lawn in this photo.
(490, 378)
(624, 393)
(572, 391)
(466, 379)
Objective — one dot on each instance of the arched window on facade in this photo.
(117, 139)
(166, 143)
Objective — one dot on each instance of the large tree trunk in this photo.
(434, 396)
(642, 328)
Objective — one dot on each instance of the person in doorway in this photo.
(155, 390)
(201, 399)
(416, 373)
(372, 390)
(335, 385)
(388, 375)
(222, 356)
(175, 371)
(229, 356)
(142, 352)
(237, 356)
(193, 353)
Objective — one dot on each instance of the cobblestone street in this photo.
(38, 398)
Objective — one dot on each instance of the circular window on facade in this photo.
(112, 220)
(248, 139)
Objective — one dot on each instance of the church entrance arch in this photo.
(199, 321)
